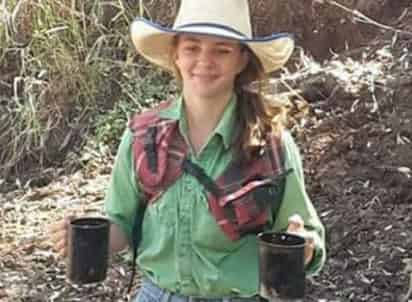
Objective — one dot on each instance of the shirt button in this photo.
(188, 186)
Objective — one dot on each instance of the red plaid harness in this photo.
(242, 199)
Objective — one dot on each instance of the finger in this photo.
(58, 238)
(56, 227)
(61, 225)
(310, 241)
(55, 239)
(295, 224)
(294, 228)
(70, 217)
(60, 229)
(62, 232)
(61, 247)
(295, 218)
(63, 253)
(61, 244)
(309, 250)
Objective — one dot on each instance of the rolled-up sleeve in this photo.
(296, 201)
(123, 194)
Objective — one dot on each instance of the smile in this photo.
(204, 76)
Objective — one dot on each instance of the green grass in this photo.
(77, 78)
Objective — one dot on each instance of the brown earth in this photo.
(355, 129)
(324, 27)
(320, 27)
(358, 164)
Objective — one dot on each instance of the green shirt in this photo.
(183, 249)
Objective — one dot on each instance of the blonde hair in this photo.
(257, 117)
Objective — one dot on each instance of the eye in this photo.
(224, 51)
(190, 48)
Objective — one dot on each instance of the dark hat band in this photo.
(215, 25)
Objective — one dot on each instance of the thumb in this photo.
(68, 219)
(72, 215)
(295, 224)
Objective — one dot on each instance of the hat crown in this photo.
(232, 14)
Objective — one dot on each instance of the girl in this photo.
(197, 178)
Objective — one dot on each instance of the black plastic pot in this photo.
(281, 266)
(88, 249)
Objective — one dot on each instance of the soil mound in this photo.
(357, 141)
(324, 27)
(321, 27)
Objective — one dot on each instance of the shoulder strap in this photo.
(197, 172)
(278, 163)
(146, 124)
(136, 238)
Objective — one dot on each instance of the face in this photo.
(209, 65)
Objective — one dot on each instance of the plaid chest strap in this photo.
(242, 199)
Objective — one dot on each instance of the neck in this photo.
(203, 115)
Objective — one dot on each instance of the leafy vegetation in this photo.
(138, 94)
(69, 74)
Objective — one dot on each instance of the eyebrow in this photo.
(194, 39)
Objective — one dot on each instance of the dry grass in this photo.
(57, 60)
(64, 63)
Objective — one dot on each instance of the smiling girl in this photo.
(197, 178)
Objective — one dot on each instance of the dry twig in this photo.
(365, 19)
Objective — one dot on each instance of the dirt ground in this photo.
(358, 163)
(355, 133)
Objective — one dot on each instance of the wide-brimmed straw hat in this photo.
(222, 18)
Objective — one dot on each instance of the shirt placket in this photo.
(184, 246)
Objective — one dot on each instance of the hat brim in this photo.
(154, 43)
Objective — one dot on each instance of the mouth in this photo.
(205, 77)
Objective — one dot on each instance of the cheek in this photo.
(241, 65)
(235, 65)
(182, 65)
(234, 68)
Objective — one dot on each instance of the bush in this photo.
(68, 72)
(141, 93)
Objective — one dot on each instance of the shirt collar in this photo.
(225, 128)
(174, 111)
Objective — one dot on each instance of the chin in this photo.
(208, 94)
(210, 91)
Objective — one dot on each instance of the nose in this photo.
(205, 58)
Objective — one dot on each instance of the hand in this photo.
(296, 226)
(59, 235)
